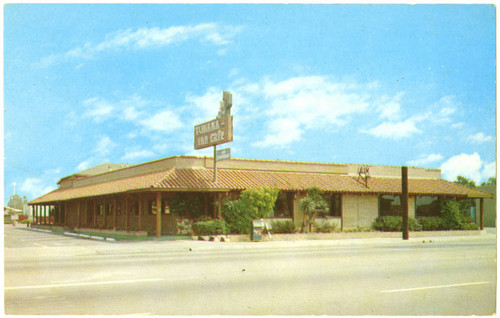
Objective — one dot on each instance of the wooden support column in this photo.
(114, 213)
(104, 208)
(481, 215)
(341, 214)
(139, 208)
(78, 212)
(44, 215)
(126, 212)
(158, 214)
(93, 213)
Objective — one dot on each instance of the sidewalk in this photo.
(185, 247)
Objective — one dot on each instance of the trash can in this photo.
(257, 229)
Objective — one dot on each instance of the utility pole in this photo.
(404, 201)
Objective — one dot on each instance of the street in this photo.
(52, 274)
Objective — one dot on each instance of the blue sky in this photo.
(374, 84)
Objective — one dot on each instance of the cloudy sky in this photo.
(373, 84)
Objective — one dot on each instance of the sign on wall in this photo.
(214, 132)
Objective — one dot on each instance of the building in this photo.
(490, 206)
(127, 197)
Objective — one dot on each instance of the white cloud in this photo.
(300, 103)
(489, 170)
(389, 107)
(457, 125)
(443, 109)
(35, 187)
(469, 166)
(104, 146)
(83, 165)
(144, 38)
(424, 160)
(282, 132)
(165, 121)
(135, 154)
(395, 130)
(97, 109)
(207, 105)
(479, 138)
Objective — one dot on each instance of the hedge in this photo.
(283, 227)
(216, 227)
(395, 224)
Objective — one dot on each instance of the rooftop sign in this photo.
(214, 132)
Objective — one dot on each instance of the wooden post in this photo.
(139, 208)
(341, 214)
(404, 201)
(114, 213)
(126, 212)
(78, 210)
(93, 213)
(481, 215)
(158, 214)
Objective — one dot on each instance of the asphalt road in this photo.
(50, 274)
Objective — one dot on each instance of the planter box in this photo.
(111, 232)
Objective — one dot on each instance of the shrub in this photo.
(431, 223)
(253, 204)
(466, 219)
(188, 205)
(216, 227)
(469, 226)
(283, 227)
(325, 227)
(395, 224)
(450, 212)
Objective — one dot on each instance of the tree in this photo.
(465, 181)
(312, 205)
(252, 204)
(465, 205)
(491, 181)
(16, 202)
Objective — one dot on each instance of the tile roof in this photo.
(176, 179)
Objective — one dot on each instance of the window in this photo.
(166, 209)
(100, 210)
(427, 206)
(283, 206)
(389, 205)
(335, 207)
(152, 207)
(109, 209)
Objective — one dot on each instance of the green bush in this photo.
(189, 205)
(325, 227)
(283, 227)
(253, 204)
(469, 226)
(216, 227)
(431, 223)
(466, 219)
(450, 212)
(395, 224)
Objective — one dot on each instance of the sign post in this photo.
(404, 201)
(217, 131)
